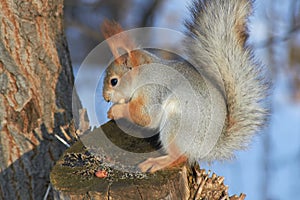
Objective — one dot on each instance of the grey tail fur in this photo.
(216, 38)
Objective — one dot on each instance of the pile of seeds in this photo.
(87, 165)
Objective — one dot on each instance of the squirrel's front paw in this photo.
(117, 111)
(110, 114)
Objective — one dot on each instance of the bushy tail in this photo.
(216, 41)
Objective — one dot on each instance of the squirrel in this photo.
(225, 104)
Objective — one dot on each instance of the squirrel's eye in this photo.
(114, 82)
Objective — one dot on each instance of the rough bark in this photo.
(35, 94)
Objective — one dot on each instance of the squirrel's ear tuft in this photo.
(139, 58)
(120, 41)
(110, 28)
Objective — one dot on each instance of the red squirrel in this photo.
(222, 120)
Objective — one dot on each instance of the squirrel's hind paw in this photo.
(154, 164)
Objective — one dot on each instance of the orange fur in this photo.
(132, 111)
(137, 114)
(122, 40)
(178, 162)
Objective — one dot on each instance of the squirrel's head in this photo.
(122, 71)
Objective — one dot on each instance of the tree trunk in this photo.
(36, 83)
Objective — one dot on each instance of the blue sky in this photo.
(270, 168)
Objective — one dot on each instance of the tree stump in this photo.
(75, 179)
(73, 176)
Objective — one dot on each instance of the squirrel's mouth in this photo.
(115, 99)
(120, 101)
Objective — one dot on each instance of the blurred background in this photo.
(270, 169)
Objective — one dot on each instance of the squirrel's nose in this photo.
(107, 99)
(107, 96)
